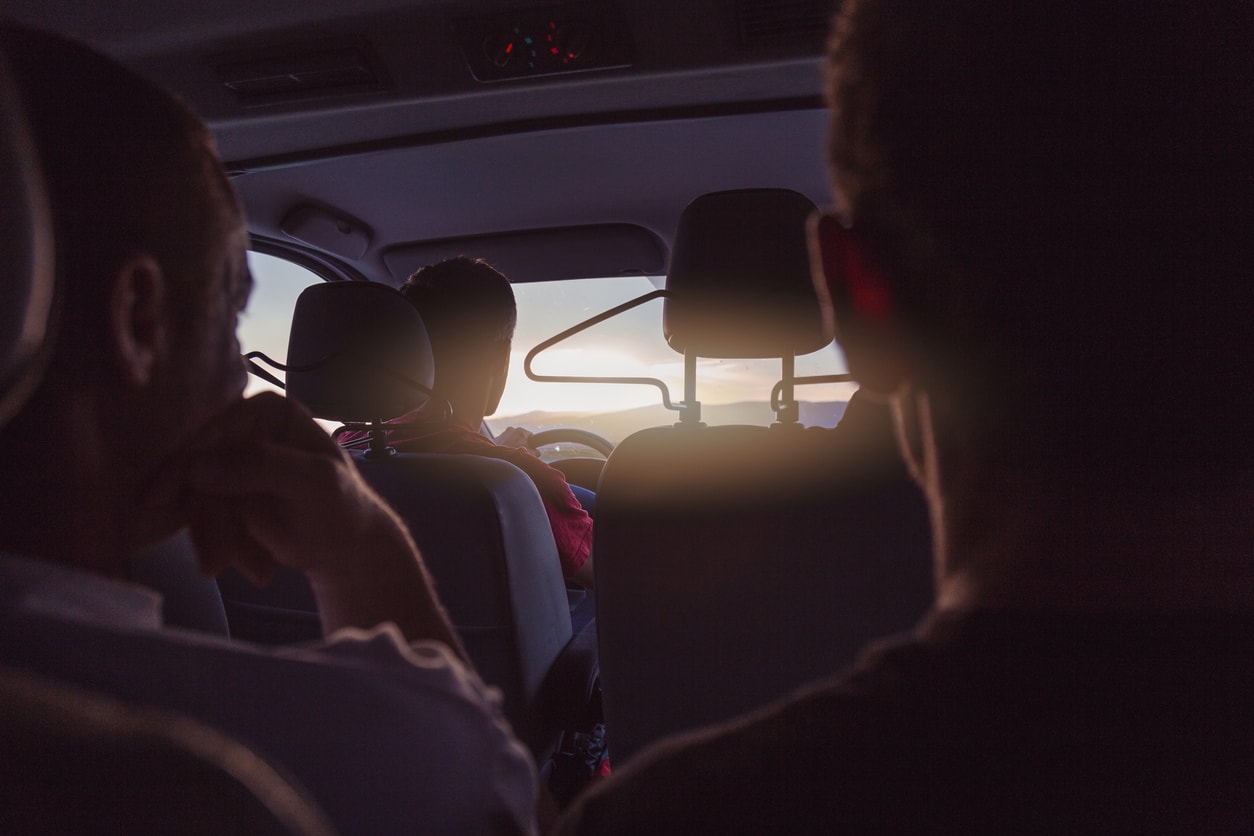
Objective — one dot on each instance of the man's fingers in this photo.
(221, 534)
(514, 437)
(269, 469)
(299, 509)
(208, 523)
(282, 495)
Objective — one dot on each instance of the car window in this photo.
(266, 321)
(631, 344)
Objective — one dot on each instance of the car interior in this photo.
(562, 142)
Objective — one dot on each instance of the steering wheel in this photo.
(575, 436)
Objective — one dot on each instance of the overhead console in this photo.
(570, 38)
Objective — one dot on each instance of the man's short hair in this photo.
(1064, 192)
(467, 306)
(110, 190)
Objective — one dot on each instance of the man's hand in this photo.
(264, 486)
(515, 437)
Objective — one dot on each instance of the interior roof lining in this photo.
(607, 118)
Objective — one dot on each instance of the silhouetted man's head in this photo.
(150, 263)
(1060, 197)
(470, 314)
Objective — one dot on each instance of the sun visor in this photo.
(329, 231)
(581, 252)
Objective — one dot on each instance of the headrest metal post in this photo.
(787, 410)
(379, 448)
(690, 409)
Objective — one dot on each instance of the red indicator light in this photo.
(554, 50)
(509, 48)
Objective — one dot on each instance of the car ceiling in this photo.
(711, 95)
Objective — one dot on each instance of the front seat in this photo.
(359, 354)
(735, 563)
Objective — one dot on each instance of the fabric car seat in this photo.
(735, 563)
(359, 354)
(27, 285)
(189, 599)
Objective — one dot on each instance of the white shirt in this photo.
(389, 737)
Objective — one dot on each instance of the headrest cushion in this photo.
(740, 275)
(26, 287)
(358, 352)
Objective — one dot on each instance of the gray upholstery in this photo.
(485, 537)
(189, 600)
(723, 552)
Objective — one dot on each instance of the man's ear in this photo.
(137, 318)
(859, 303)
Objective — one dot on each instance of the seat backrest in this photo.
(359, 353)
(189, 599)
(26, 252)
(735, 563)
(485, 537)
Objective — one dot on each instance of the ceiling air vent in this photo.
(300, 73)
(798, 22)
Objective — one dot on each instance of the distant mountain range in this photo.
(616, 426)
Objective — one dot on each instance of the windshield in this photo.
(631, 344)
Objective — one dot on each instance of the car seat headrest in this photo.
(358, 352)
(26, 286)
(740, 277)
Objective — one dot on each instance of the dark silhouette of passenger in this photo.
(1041, 254)
(138, 429)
